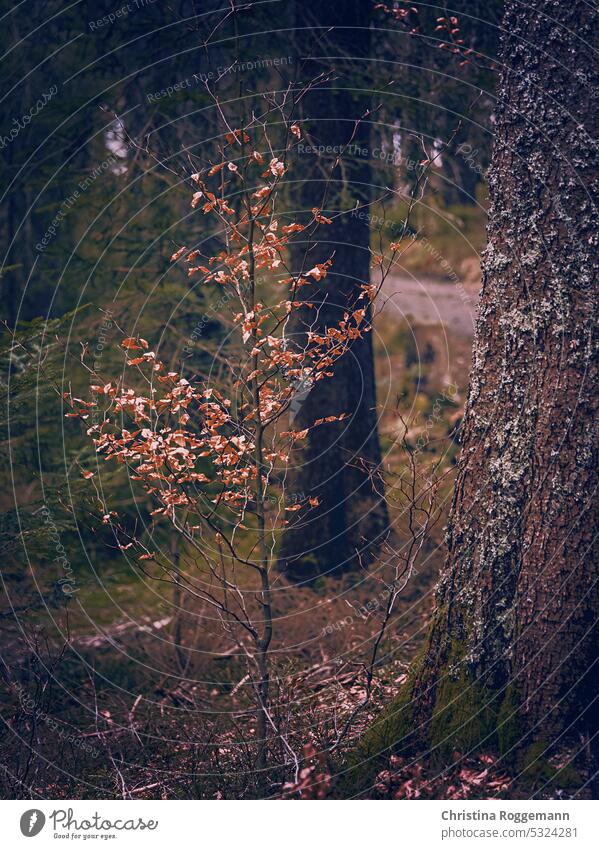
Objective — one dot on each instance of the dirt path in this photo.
(425, 300)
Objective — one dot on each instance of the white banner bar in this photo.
(300, 824)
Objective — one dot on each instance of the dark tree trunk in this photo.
(336, 462)
(461, 180)
(509, 660)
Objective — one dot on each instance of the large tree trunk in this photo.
(338, 458)
(515, 633)
(509, 660)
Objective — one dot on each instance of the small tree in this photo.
(210, 458)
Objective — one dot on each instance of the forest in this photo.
(299, 375)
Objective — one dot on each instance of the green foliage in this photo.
(33, 520)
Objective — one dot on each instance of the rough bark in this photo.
(337, 459)
(518, 598)
(509, 660)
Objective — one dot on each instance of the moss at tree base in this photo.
(391, 732)
(467, 718)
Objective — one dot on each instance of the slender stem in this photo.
(265, 637)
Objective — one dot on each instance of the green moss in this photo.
(508, 730)
(537, 770)
(319, 586)
(469, 716)
(464, 718)
(391, 732)
(307, 568)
